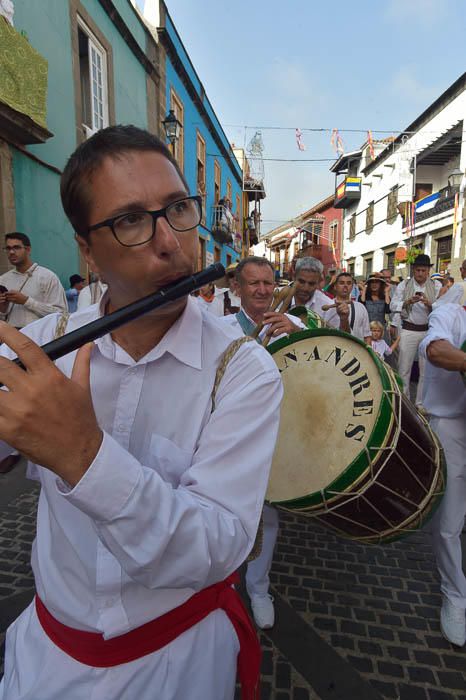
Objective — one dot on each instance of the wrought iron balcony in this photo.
(443, 204)
(348, 192)
(223, 224)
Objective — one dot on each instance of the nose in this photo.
(165, 240)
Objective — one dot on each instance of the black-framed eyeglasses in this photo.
(13, 248)
(138, 227)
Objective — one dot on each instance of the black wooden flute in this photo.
(101, 326)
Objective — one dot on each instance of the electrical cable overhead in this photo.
(392, 132)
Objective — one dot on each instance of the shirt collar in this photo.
(183, 340)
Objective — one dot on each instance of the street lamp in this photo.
(454, 179)
(172, 128)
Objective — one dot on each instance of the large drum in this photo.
(352, 451)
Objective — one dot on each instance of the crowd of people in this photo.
(153, 445)
(417, 320)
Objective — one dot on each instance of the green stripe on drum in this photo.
(373, 480)
(307, 316)
(359, 468)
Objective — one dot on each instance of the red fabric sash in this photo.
(92, 649)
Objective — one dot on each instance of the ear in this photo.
(86, 252)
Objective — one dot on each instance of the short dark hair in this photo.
(254, 260)
(343, 274)
(112, 142)
(18, 236)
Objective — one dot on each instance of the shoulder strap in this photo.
(228, 355)
(225, 358)
(28, 277)
(62, 322)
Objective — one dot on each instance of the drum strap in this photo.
(225, 358)
(228, 355)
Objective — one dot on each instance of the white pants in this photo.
(448, 522)
(257, 573)
(409, 343)
(200, 665)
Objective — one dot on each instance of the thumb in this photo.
(82, 367)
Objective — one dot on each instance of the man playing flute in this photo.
(152, 488)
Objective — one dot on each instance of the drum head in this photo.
(331, 414)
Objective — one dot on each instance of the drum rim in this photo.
(382, 429)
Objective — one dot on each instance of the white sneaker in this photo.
(263, 611)
(453, 623)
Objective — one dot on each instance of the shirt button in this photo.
(121, 428)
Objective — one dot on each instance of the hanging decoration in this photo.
(337, 142)
(299, 140)
(370, 143)
(455, 216)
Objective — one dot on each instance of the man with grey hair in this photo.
(308, 274)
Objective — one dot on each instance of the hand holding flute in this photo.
(50, 417)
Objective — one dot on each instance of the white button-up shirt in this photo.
(315, 303)
(418, 313)
(361, 328)
(43, 289)
(444, 391)
(172, 501)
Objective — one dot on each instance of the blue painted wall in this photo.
(193, 122)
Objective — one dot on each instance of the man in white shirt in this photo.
(445, 400)
(307, 277)
(32, 291)
(152, 479)
(348, 316)
(255, 285)
(413, 299)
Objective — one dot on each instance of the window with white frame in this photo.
(93, 80)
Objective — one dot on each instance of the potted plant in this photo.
(411, 254)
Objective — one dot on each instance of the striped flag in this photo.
(337, 142)
(299, 140)
(370, 143)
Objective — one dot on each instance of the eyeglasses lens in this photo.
(184, 215)
(137, 227)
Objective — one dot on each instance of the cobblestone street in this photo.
(353, 622)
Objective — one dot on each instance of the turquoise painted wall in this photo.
(128, 74)
(38, 207)
(39, 214)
